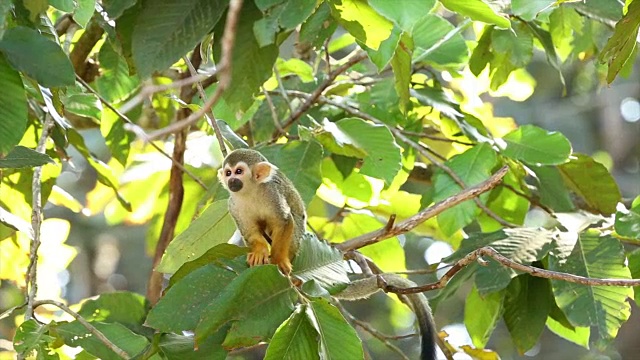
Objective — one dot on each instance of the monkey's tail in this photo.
(420, 306)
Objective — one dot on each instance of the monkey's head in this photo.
(243, 168)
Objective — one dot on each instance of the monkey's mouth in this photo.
(235, 185)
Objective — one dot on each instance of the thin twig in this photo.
(532, 270)
(531, 199)
(435, 138)
(92, 329)
(211, 119)
(224, 72)
(417, 219)
(283, 92)
(140, 132)
(274, 114)
(149, 90)
(36, 223)
(315, 95)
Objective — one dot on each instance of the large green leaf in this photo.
(553, 193)
(473, 167)
(295, 338)
(300, 161)
(285, 14)
(251, 63)
(118, 140)
(181, 347)
(115, 82)
(165, 30)
(126, 308)
(24, 49)
(382, 159)
(243, 302)
(547, 43)
(621, 45)
(437, 42)
(318, 261)
(189, 298)
(558, 323)
(217, 255)
(30, 336)
(628, 223)
(214, 226)
(22, 157)
(362, 21)
(606, 307)
(633, 259)
(406, 16)
(536, 146)
(529, 9)
(13, 108)
(482, 53)
(387, 49)
(318, 27)
(76, 335)
(516, 42)
(476, 10)
(481, 315)
(401, 65)
(592, 182)
(438, 100)
(338, 340)
(527, 304)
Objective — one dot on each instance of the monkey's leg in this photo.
(281, 238)
(259, 254)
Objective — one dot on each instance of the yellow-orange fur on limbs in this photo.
(265, 206)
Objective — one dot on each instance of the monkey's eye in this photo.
(238, 171)
(227, 173)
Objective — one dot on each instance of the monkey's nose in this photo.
(235, 185)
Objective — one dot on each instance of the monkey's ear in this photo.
(264, 171)
(221, 177)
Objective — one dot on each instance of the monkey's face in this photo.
(234, 177)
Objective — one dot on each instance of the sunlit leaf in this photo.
(294, 339)
(338, 340)
(536, 146)
(628, 223)
(13, 108)
(481, 315)
(22, 157)
(622, 43)
(362, 21)
(476, 10)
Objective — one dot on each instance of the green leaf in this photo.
(338, 340)
(295, 67)
(243, 302)
(516, 42)
(216, 255)
(115, 82)
(62, 5)
(622, 43)
(214, 226)
(633, 259)
(300, 161)
(381, 57)
(406, 16)
(439, 42)
(592, 182)
(23, 48)
(481, 315)
(553, 193)
(87, 105)
(190, 299)
(126, 308)
(547, 43)
(476, 10)
(401, 65)
(505, 203)
(362, 21)
(15, 222)
(318, 261)
(383, 159)
(529, 9)
(251, 64)
(118, 140)
(606, 307)
(563, 23)
(83, 11)
(22, 157)
(76, 335)
(627, 223)
(536, 146)
(167, 29)
(558, 323)
(473, 167)
(115, 8)
(295, 338)
(13, 108)
(179, 347)
(318, 27)
(527, 304)
(438, 100)
(287, 14)
(482, 53)
(31, 336)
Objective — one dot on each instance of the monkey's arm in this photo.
(363, 288)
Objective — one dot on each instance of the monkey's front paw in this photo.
(258, 257)
(285, 266)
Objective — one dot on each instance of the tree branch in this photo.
(92, 329)
(532, 270)
(415, 220)
(31, 277)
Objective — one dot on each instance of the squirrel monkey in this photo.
(265, 206)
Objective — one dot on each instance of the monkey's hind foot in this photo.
(258, 256)
(284, 265)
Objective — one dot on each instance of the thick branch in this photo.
(412, 222)
(92, 329)
(83, 47)
(532, 270)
